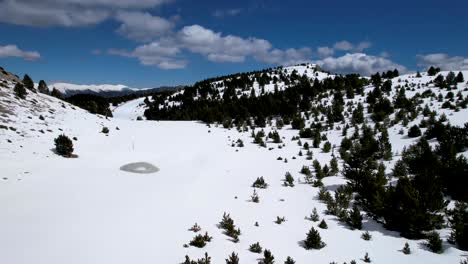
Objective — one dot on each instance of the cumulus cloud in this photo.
(324, 52)
(142, 26)
(359, 63)
(66, 13)
(343, 45)
(159, 54)
(14, 51)
(214, 46)
(220, 48)
(442, 60)
(285, 57)
(228, 12)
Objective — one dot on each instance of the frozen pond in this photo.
(140, 167)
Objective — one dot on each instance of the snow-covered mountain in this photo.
(79, 210)
(105, 90)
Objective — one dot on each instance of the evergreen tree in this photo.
(460, 78)
(63, 145)
(414, 131)
(451, 78)
(28, 83)
(355, 218)
(268, 258)
(256, 248)
(20, 91)
(385, 148)
(458, 218)
(42, 87)
(434, 243)
(289, 260)
(334, 166)
(233, 259)
(406, 249)
(432, 71)
(313, 240)
(358, 115)
(323, 224)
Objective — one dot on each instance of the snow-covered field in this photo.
(85, 210)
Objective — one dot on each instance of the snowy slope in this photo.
(70, 89)
(85, 210)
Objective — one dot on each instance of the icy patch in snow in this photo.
(140, 167)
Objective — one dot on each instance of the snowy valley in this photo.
(267, 170)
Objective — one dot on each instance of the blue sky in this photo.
(148, 43)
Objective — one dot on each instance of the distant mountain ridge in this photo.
(105, 90)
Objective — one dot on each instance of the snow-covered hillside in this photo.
(56, 210)
(69, 89)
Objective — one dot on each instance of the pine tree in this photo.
(313, 240)
(63, 145)
(458, 219)
(385, 148)
(20, 91)
(256, 248)
(314, 216)
(323, 224)
(42, 87)
(460, 78)
(434, 243)
(28, 83)
(268, 258)
(233, 259)
(334, 166)
(289, 260)
(355, 218)
(366, 236)
(406, 249)
(367, 258)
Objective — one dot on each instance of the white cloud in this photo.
(159, 54)
(324, 52)
(66, 13)
(442, 60)
(142, 26)
(359, 63)
(214, 46)
(14, 51)
(343, 45)
(286, 57)
(361, 46)
(228, 12)
(219, 48)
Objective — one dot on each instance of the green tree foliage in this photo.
(414, 131)
(355, 218)
(93, 103)
(313, 240)
(256, 248)
(63, 145)
(42, 87)
(458, 219)
(28, 83)
(232, 259)
(268, 258)
(20, 91)
(460, 78)
(433, 71)
(434, 243)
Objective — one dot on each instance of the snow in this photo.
(55, 210)
(69, 87)
(130, 110)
